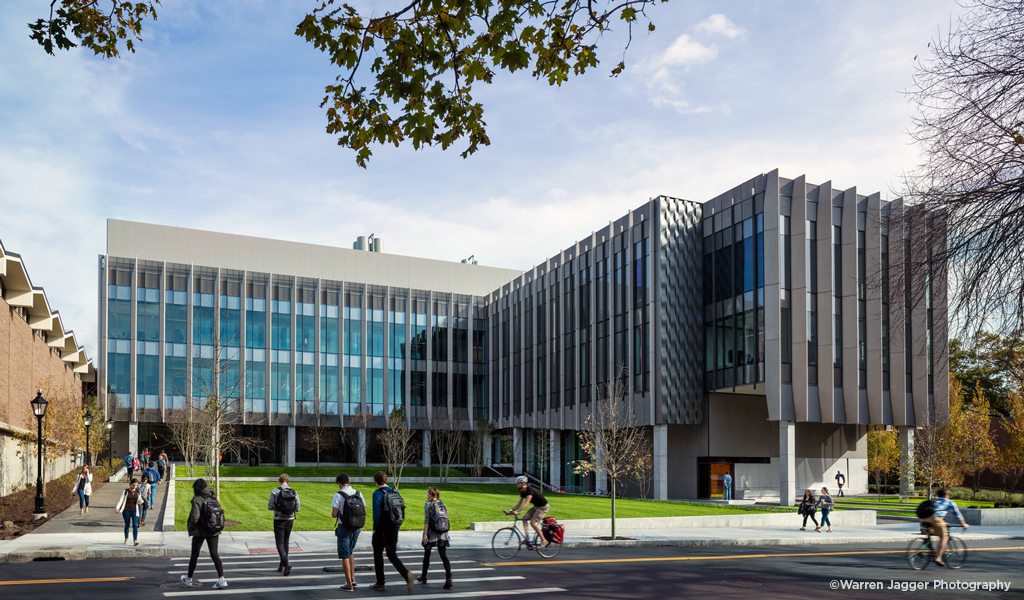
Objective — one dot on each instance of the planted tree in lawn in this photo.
(99, 441)
(935, 448)
(478, 439)
(397, 444)
(612, 440)
(190, 434)
(970, 425)
(448, 438)
(643, 470)
(350, 434)
(883, 455)
(319, 435)
(1011, 456)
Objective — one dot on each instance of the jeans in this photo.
(840, 490)
(728, 492)
(211, 545)
(131, 520)
(386, 539)
(824, 518)
(282, 534)
(152, 494)
(443, 551)
(83, 500)
(145, 509)
(130, 473)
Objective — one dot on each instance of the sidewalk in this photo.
(110, 542)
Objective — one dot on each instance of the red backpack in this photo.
(553, 531)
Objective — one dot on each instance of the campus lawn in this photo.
(246, 503)
(244, 471)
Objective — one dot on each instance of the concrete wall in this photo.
(847, 518)
(18, 466)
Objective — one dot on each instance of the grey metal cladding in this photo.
(680, 336)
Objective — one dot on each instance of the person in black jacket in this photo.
(200, 493)
(385, 536)
(807, 509)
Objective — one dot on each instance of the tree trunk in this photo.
(613, 508)
(216, 455)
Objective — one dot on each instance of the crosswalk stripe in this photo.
(293, 568)
(293, 557)
(309, 588)
(340, 576)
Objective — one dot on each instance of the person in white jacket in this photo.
(83, 487)
(130, 507)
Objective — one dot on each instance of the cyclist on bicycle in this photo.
(528, 495)
(937, 521)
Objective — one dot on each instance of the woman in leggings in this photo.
(432, 538)
(200, 493)
(808, 509)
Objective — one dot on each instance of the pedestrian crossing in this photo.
(258, 575)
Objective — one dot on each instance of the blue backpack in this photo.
(129, 461)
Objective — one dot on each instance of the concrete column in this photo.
(556, 459)
(487, 450)
(361, 447)
(425, 452)
(289, 457)
(787, 463)
(906, 435)
(517, 450)
(601, 478)
(660, 473)
(133, 438)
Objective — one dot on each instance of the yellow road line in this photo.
(35, 581)
(724, 557)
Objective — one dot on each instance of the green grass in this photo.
(236, 471)
(246, 502)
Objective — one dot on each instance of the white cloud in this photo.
(686, 52)
(719, 25)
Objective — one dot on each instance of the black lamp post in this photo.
(87, 420)
(39, 405)
(110, 450)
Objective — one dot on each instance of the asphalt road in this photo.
(765, 572)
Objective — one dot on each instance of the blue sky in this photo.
(215, 124)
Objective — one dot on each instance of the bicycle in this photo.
(507, 542)
(921, 551)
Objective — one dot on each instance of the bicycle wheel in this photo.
(550, 550)
(956, 553)
(506, 542)
(919, 554)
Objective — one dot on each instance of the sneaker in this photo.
(221, 584)
(185, 579)
(408, 580)
(377, 586)
(136, 542)
(125, 541)
(348, 588)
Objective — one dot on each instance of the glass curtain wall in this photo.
(418, 354)
(568, 333)
(542, 346)
(280, 349)
(305, 348)
(460, 355)
(555, 389)
(230, 338)
(330, 326)
(480, 355)
(176, 344)
(204, 380)
(439, 355)
(375, 352)
(352, 335)
(397, 351)
(585, 314)
(256, 346)
(119, 334)
(147, 341)
(528, 330)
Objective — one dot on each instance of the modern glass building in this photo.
(756, 334)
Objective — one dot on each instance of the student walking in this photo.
(435, 534)
(145, 490)
(840, 481)
(284, 501)
(130, 507)
(152, 477)
(145, 456)
(130, 464)
(727, 480)
(161, 464)
(349, 511)
(807, 509)
(83, 487)
(388, 515)
(826, 505)
(205, 522)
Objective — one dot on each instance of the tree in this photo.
(350, 434)
(423, 57)
(1011, 455)
(99, 441)
(643, 470)
(449, 438)
(970, 129)
(397, 443)
(883, 455)
(190, 435)
(479, 438)
(935, 447)
(612, 441)
(63, 430)
(320, 434)
(969, 426)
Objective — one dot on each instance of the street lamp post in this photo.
(87, 420)
(110, 443)
(39, 405)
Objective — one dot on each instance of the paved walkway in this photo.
(109, 542)
(101, 517)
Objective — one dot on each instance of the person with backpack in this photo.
(151, 476)
(388, 515)
(130, 506)
(161, 464)
(349, 511)
(145, 490)
(435, 533)
(284, 501)
(205, 522)
(130, 464)
(933, 513)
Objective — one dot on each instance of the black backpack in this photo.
(439, 517)
(392, 508)
(925, 509)
(152, 476)
(353, 515)
(211, 517)
(286, 501)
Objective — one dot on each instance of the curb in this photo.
(168, 521)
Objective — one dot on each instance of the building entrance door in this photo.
(718, 472)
